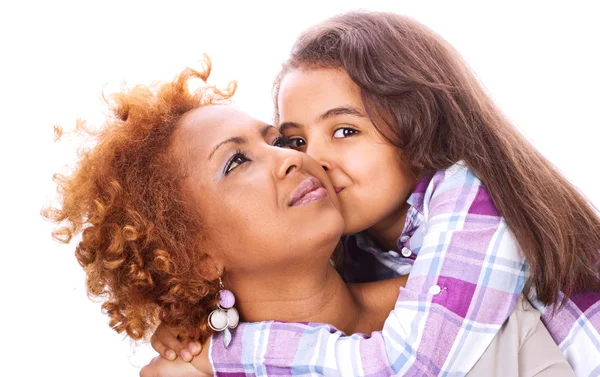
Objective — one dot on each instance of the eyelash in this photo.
(293, 142)
(354, 131)
(284, 141)
(238, 154)
(281, 142)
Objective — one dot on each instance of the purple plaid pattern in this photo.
(466, 274)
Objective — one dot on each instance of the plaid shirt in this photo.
(466, 274)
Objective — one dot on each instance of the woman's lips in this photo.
(308, 191)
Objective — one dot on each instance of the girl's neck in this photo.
(387, 231)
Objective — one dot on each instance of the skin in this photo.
(321, 110)
(277, 265)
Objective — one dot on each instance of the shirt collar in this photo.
(416, 199)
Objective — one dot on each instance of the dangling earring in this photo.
(225, 317)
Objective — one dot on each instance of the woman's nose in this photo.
(287, 161)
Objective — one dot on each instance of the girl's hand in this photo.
(161, 367)
(165, 342)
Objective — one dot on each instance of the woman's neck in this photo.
(377, 299)
(318, 297)
(297, 296)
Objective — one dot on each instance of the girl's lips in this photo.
(308, 191)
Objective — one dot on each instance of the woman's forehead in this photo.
(212, 123)
(219, 118)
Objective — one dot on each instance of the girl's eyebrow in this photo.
(286, 125)
(341, 110)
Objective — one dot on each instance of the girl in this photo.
(432, 180)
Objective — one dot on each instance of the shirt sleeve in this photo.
(464, 284)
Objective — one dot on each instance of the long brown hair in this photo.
(424, 99)
(141, 239)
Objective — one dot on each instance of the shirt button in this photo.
(404, 238)
(435, 289)
(393, 253)
(406, 252)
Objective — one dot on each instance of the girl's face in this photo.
(322, 112)
(262, 206)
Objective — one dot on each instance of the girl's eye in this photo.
(282, 142)
(296, 142)
(344, 132)
(236, 160)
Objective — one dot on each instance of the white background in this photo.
(539, 60)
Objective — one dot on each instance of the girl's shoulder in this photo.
(457, 175)
(451, 189)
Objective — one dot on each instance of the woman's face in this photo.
(261, 204)
(322, 111)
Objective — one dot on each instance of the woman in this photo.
(181, 196)
(183, 201)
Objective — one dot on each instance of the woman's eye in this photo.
(343, 132)
(235, 161)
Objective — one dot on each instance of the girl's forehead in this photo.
(318, 91)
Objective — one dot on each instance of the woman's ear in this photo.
(213, 269)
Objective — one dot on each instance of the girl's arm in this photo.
(464, 284)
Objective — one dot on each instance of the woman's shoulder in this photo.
(522, 347)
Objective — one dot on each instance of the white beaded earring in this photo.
(225, 316)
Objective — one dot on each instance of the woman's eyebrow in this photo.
(239, 140)
(265, 130)
(236, 140)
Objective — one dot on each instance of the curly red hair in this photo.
(140, 240)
